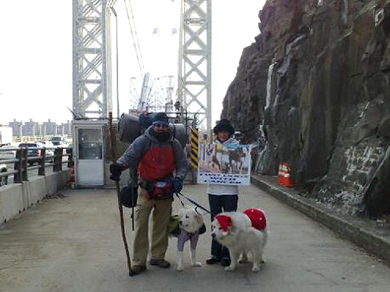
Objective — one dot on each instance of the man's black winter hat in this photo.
(224, 125)
(160, 117)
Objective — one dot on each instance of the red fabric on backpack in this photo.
(157, 163)
(257, 218)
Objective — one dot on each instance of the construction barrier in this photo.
(194, 142)
(284, 175)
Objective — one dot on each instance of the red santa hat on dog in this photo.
(224, 221)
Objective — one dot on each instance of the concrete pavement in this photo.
(72, 242)
(372, 235)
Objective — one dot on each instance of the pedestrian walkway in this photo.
(73, 243)
(372, 235)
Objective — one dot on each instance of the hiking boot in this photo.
(160, 263)
(225, 262)
(213, 260)
(137, 269)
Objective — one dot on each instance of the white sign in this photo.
(227, 165)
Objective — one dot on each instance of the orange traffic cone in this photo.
(284, 176)
(280, 174)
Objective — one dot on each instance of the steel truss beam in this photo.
(91, 59)
(194, 76)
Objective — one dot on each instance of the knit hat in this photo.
(224, 125)
(224, 221)
(160, 117)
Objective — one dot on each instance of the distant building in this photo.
(17, 128)
(65, 128)
(30, 128)
(50, 128)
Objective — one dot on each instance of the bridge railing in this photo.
(22, 162)
(22, 139)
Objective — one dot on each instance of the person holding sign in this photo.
(222, 198)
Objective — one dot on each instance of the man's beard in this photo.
(162, 136)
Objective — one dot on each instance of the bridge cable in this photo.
(134, 34)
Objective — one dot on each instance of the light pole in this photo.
(117, 60)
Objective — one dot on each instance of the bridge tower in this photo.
(194, 72)
(92, 81)
(91, 59)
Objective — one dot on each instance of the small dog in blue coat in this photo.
(187, 226)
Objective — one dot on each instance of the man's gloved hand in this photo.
(177, 185)
(116, 171)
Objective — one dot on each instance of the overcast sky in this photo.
(36, 52)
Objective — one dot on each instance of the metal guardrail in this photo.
(23, 139)
(23, 163)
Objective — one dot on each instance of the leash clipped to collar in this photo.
(193, 202)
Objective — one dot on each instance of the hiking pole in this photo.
(113, 154)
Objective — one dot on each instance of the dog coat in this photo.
(183, 236)
(257, 218)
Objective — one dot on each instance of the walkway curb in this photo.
(364, 233)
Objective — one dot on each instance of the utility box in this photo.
(89, 138)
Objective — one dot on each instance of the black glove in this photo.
(177, 185)
(116, 171)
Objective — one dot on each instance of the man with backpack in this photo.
(162, 166)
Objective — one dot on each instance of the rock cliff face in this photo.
(313, 91)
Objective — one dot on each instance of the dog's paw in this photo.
(197, 264)
(255, 269)
(243, 260)
(179, 268)
(230, 269)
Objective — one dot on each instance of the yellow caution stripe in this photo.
(194, 142)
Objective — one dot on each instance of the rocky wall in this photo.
(313, 91)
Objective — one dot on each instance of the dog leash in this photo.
(191, 201)
(181, 201)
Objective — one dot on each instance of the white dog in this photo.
(242, 233)
(189, 226)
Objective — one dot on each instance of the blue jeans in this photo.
(219, 204)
